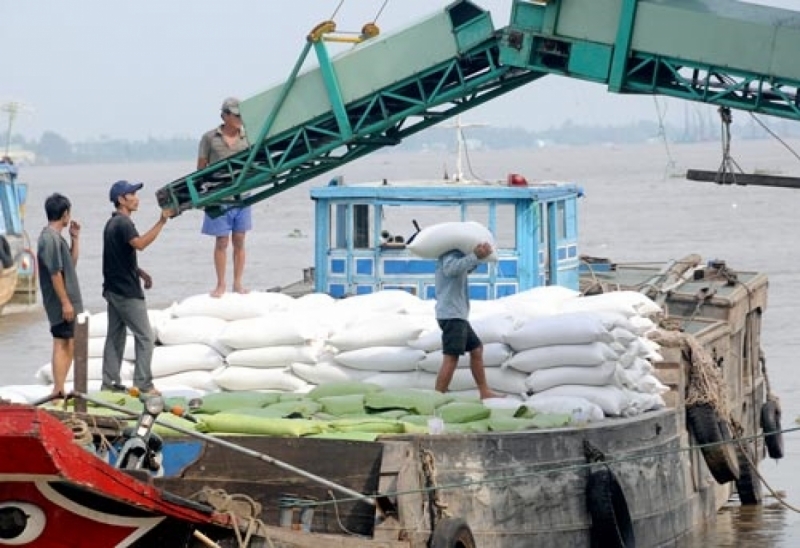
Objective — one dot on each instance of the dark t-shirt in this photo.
(120, 266)
(53, 255)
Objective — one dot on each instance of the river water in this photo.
(637, 207)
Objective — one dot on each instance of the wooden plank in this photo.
(743, 179)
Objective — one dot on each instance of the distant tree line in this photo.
(54, 149)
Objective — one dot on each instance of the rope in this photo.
(429, 469)
(81, 434)
(333, 15)
(662, 132)
(773, 134)
(375, 19)
(338, 518)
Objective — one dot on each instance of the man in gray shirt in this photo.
(452, 314)
(61, 293)
(217, 144)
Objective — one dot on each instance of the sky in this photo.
(95, 69)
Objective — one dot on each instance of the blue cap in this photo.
(121, 188)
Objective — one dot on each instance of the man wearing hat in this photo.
(122, 289)
(221, 142)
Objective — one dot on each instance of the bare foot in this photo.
(241, 290)
(218, 292)
(486, 394)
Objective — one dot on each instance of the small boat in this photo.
(17, 261)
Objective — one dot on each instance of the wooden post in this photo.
(80, 373)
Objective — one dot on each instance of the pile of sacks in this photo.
(549, 347)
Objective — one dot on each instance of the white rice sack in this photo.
(169, 360)
(381, 358)
(581, 409)
(566, 328)
(252, 378)
(190, 329)
(325, 372)
(493, 327)
(505, 380)
(612, 400)
(313, 302)
(404, 379)
(230, 306)
(429, 340)
(24, 393)
(378, 330)
(623, 336)
(201, 381)
(543, 357)
(388, 301)
(270, 301)
(98, 323)
(94, 370)
(537, 301)
(432, 241)
(494, 355)
(273, 356)
(278, 329)
(97, 347)
(598, 375)
(640, 402)
(649, 384)
(629, 303)
(641, 325)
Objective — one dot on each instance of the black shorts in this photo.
(458, 337)
(63, 330)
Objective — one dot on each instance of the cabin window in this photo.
(505, 233)
(397, 223)
(561, 220)
(5, 212)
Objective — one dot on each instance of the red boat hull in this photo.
(56, 494)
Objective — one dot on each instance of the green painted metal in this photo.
(310, 126)
(723, 52)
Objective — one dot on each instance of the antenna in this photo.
(12, 108)
(461, 145)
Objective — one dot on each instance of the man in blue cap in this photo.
(122, 289)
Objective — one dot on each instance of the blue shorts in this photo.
(458, 337)
(63, 330)
(235, 219)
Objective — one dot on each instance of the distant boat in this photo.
(17, 261)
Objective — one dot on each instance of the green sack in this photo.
(474, 427)
(265, 426)
(350, 404)
(343, 388)
(458, 412)
(304, 407)
(551, 420)
(421, 402)
(223, 401)
(509, 424)
(367, 424)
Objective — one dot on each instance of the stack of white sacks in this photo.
(549, 347)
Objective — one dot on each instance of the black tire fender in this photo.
(6, 258)
(748, 486)
(771, 425)
(709, 428)
(452, 533)
(612, 526)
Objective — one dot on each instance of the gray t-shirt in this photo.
(452, 286)
(53, 256)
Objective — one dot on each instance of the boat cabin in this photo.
(362, 231)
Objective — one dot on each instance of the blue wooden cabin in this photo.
(535, 228)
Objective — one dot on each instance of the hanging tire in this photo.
(749, 484)
(708, 428)
(452, 533)
(612, 526)
(6, 258)
(771, 425)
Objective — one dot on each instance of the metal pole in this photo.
(237, 448)
(80, 359)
